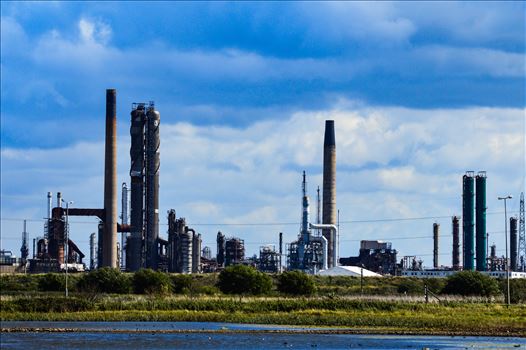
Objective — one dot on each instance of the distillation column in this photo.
(480, 217)
(468, 224)
(134, 247)
(153, 119)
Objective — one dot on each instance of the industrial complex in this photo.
(314, 251)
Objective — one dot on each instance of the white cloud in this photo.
(94, 31)
(392, 162)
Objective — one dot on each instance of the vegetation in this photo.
(296, 283)
(241, 279)
(104, 280)
(324, 301)
(181, 284)
(112, 281)
(383, 316)
(471, 283)
(147, 281)
(517, 290)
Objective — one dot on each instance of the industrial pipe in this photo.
(335, 243)
(324, 245)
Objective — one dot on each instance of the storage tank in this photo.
(481, 247)
(468, 224)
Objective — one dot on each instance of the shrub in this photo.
(104, 280)
(296, 283)
(48, 304)
(181, 284)
(147, 281)
(410, 286)
(517, 289)
(25, 283)
(52, 282)
(241, 279)
(471, 283)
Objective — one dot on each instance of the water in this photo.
(126, 337)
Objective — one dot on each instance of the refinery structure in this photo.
(315, 249)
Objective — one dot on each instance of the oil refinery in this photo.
(316, 247)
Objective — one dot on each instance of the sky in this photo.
(420, 92)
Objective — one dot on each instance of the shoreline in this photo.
(360, 331)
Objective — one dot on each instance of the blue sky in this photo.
(420, 93)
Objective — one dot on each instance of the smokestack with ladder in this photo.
(329, 189)
(109, 241)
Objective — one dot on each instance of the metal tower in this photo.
(24, 250)
(522, 235)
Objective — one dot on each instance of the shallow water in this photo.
(231, 341)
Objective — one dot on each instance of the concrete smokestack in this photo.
(59, 200)
(513, 243)
(329, 187)
(436, 229)
(109, 241)
(456, 243)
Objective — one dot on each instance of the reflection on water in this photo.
(231, 341)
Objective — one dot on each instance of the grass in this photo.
(373, 315)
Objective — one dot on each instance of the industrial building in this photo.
(184, 246)
(376, 256)
(143, 243)
(316, 247)
(309, 253)
(269, 259)
(474, 245)
(230, 251)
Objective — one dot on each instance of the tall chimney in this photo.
(456, 243)
(436, 228)
(109, 241)
(513, 243)
(329, 187)
(59, 200)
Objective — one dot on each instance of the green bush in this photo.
(47, 304)
(241, 279)
(104, 280)
(471, 283)
(19, 282)
(411, 286)
(181, 284)
(52, 282)
(517, 289)
(147, 281)
(296, 283)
